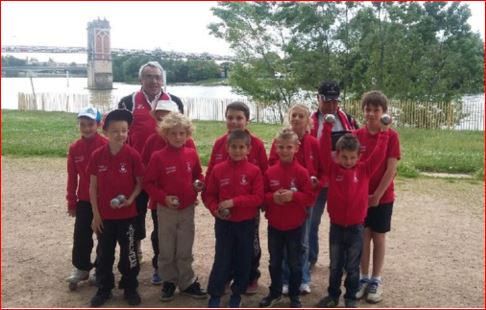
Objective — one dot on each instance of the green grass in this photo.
(50, 133)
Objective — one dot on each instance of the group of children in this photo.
(106, 175)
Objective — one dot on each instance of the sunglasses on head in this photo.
(323, 98)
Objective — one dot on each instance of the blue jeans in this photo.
(317, 211)
(279, 242)
(306, 276)
(346, 244)
(234, 248)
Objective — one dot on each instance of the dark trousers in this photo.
(279, 242)
(346, 244)
(83, 236)
(154, 237)
(141, 203)
(317, 212)
(257, 252)
(123, 232)
(234, 246)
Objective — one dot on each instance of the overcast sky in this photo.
(177, 26)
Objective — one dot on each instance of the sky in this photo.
(170, 25)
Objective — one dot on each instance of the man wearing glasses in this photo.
(328, 100)
(142, 104)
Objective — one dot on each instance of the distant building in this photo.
(100, 69)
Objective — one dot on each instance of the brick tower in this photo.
(100, 70)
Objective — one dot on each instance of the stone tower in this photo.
(100, 70)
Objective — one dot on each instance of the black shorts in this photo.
(378, 218)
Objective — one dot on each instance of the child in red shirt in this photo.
(233, 194)
(238, 117)
(116, 172)
(381, 194)
(288, 195)
(347, 206)
(77, 195)
(170, 181)
(154, 143)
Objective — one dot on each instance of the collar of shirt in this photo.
(152, 103)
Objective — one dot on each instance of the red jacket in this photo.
(257, 156)
(116, 174)
(77, 163)
(155, 143)
(291, 214)
(172, 171)
(347, 198)
(307, 156)
(240, 181)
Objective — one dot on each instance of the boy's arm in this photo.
(263, 160)
(305, 195)
(97, 223)
(210, 163)
(211, 197)
(268, 194)
(326, 148)
(150, 181)
(72, 184)
(390, 172)
(255, 198)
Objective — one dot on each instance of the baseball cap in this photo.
(329, 90)
(166, 105)
(117, 115)
(91, 113)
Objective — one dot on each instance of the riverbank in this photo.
(37, 133)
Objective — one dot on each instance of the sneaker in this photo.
(350, 303)
(252, 288)
(234, 301)
(328, 302)
(305, 289)
(285, 289)
(269, 301)
(195, 291)
(100, 298)
(168, 291)
(363, 287)
(375, 292)
(156, 279)
(214, 302)
(77, 275)
(132, 297)
(295, 303)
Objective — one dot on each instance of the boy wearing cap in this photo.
(77, 192)
(155, 143)
(328, 100)
(115, 171)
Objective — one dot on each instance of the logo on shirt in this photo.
(123, 168)
(339, 178)
(170, 169)
(362, 149)
(355, 178)
(218, 157)
(188, 166)
(244, 180)
(102, 168)
(78, 159)
(224, 182)
(274, 183)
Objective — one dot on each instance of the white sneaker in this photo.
(77, 275)
(305, 289)
(363, 287)
(375, 292)
(285, 289)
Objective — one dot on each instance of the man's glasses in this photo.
(149, 77)
(323, 98)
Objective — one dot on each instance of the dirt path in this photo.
(435, 252)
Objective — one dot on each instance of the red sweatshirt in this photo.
(291, 214)
(77, 162)
(240, 181)
(155, 143)
(116, 174)
(257, 156)
(347, 198)
(308, 156)
(172, 172)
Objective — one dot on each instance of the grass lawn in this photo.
(36, 133)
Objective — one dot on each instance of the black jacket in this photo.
(127, 102)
